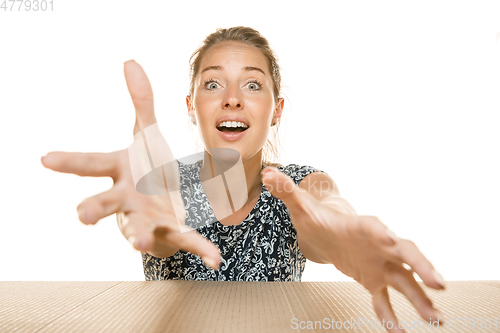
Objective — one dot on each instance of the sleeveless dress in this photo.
(261, 248)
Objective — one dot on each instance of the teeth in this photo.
(232, 124)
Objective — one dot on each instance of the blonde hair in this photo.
(253, 38)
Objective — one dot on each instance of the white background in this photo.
(397, 101)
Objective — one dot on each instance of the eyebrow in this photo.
(219, 68)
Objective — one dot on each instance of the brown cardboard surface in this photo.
(209, 306)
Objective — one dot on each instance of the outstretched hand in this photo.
(148, 221)
(361, 247)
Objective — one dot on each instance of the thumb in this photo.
(142, 95)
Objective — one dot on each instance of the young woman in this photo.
(292, 212)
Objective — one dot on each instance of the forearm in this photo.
(317, 251)
(339, 204)
(327, 192)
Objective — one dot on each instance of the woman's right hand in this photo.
(147, 221)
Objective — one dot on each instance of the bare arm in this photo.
(323, 188)
(362, 247)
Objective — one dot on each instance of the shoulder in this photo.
(297, 172)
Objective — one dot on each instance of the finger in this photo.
(99, 206)
(142, 95)
(83, 164)
(404, 250)
(195, 243)
(142, 233)
(384, 311)
(411, 255)
(138, 230)
(404, 282)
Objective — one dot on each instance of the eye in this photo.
(211, 84)
(253, 85)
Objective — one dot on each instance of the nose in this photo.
(232, 99)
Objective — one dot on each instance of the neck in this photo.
(252, 167)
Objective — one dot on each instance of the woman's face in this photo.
(234, 84)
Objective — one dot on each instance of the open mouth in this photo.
(232, 130)
(232, 127)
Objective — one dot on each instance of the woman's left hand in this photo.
(361, 247)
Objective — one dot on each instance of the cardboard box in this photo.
(208, 306)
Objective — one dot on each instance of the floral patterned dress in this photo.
(262, 248)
